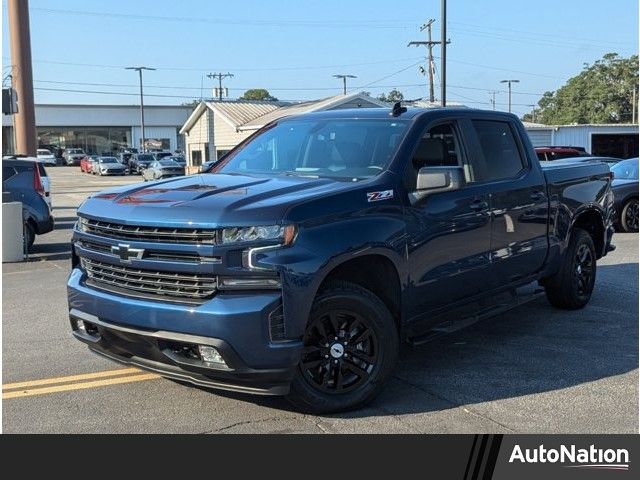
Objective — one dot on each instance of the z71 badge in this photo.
(377, 196)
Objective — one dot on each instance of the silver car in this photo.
(108, 166)
(162, 169)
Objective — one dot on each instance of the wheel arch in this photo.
(592, 221)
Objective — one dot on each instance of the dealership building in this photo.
(103, 128)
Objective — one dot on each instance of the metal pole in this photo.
(509, 82)
(509, 97)
(430, 46)
(22, 77)
(220, 87)
(344, 85)
(141, 110)
(443, 58)
(633, 106)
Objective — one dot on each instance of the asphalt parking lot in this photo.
(534, 369)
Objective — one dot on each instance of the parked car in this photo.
(139, 161)
(72, 156)
(23, 181)
(86, 164)
(46, 157)
(625, 194)
(324, 241)
(164, 168)
(161, 155)
(548, 154)
(108, 166)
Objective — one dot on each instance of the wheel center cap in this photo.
(337, 350)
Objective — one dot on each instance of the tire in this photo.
(629, 216)
(345, 311)
(571, 287)
(29, 236)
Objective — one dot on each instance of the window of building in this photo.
(196, 158)
(500, 157)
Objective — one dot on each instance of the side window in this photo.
(7, 173)
(438, 147)
(500, 155)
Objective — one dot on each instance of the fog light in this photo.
(80, 326)
(210, 354)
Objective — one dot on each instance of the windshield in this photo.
(341, 149)
(108, 160)
(626, 170)
(75, 150)
(43, 152)
(145, 158)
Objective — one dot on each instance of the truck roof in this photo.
(385, 113)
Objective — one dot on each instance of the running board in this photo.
(449, 326)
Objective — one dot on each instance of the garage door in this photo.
(616, 145)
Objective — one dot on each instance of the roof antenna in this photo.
(397, 109)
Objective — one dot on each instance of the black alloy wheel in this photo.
(583, 270)
(341, 352)
(350, 349)
(629, 220)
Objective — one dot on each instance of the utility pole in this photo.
(344, 81)
(220, 76)
(633, 106)
(429, 44)
(509, 82)
(493, 99)
(24, 120)
(139, 70)
(533, 111)
(443, 57)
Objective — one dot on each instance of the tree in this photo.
(192, 103)
(601, 93)
(258, 94)
(392, 97)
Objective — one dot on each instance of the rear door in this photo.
(518, 200)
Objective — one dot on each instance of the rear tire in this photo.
(29, 236)
(629, 216)
(351, 348)
(571, 287)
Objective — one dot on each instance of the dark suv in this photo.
(139, 162)
(22, 182)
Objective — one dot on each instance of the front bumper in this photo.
(147, 334)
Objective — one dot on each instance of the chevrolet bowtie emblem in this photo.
(126, 253)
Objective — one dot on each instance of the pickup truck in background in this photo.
(298, 265)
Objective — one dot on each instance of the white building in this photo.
(214, 128)
(103, 128)
(614, 140)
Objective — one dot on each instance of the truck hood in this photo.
(208, 200)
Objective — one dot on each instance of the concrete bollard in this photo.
(12, 232)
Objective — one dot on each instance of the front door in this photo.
(449, 233)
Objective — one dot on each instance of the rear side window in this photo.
(437, 148)
(7, 173)
(500, 155)
(41, 170)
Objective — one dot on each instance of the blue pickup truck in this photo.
(299, 263)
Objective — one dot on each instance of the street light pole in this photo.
(509, 82)
(443, 55)
(139, 70)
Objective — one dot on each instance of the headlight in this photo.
(285, 234)
(81, 224)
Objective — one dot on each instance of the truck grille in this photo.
(151, 283)
(148, 234)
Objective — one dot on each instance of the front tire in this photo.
(629, 216)
(571, 287)
(351, 348)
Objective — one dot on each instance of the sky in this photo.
(293, 48)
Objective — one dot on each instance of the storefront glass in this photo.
(102, 140)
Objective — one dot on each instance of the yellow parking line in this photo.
(71, 378)
(78, 386)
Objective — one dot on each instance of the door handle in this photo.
(479, 205)
(537, 195)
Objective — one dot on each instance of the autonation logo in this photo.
(574, 457)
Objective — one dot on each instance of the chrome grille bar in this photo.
(148, 234)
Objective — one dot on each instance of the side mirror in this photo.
(437, 179)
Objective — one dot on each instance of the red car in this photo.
(86, 164)
(547, 154)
